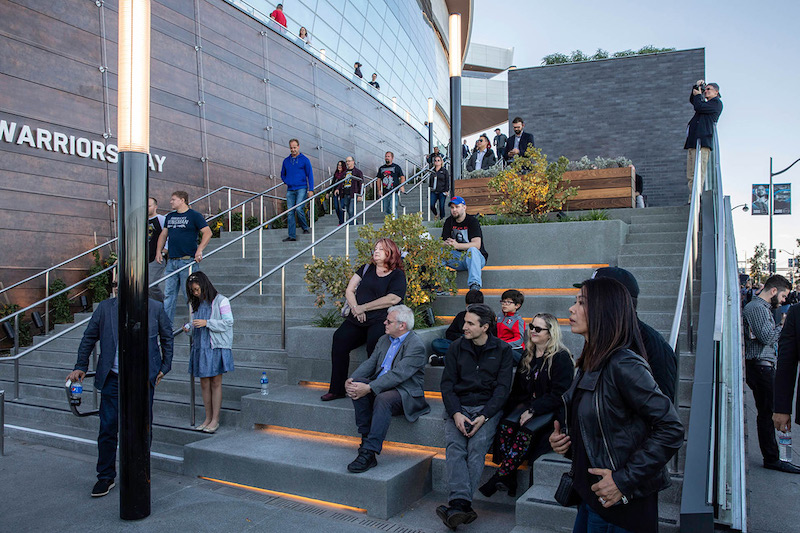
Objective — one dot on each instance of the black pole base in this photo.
(455, 132)
(134, 386)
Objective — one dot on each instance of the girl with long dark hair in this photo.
(336, 197)
(619, 428)
(211, 327)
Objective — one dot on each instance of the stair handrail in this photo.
(112, 241)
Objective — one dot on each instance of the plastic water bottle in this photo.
(264, 384)
(75, 391)
(785, 445)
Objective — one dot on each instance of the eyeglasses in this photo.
(708, 89)
(537, 329)
(390, 322)
(507, 302)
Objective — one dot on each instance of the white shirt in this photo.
(479, 159)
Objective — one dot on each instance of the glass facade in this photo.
(392, 38)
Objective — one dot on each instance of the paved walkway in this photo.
(47, 489)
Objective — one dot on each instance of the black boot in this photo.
(490, 487)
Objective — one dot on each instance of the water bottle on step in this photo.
(264, 384)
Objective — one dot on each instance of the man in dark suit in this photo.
(518, 144)
(104, 327)
(786, 371)
(705, 99)
(482, 157)
(388, 384)
(499, 143)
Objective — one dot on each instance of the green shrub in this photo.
(584, 163)
(101, 285)
(25, 337)
(330, 319)
(59, 306)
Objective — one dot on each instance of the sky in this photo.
(751, 51)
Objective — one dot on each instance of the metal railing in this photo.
(714, 477)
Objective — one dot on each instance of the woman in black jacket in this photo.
(543, 375)
(619, 428)
(337, 201)
(439, 183)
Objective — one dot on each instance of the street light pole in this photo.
(771, 204)
(133, 123)
(430, 126)
(455, 100)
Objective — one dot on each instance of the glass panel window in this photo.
(324, 34)
(331, 16)
(350, 35)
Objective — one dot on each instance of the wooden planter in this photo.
(605, 188)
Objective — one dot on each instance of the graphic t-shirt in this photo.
(182, 230)
(464, 231)
(351, 182)
(154, 227)
(390, 176)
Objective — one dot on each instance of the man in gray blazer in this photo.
(103, 327)
(388, 384)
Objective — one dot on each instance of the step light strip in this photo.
(546, 267)
(448, 319)
(287, 495)
(529, 292)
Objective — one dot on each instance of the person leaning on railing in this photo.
(705, 99)
(631, 429)
(375, 287)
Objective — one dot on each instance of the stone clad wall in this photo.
(636, 107)
(214, 120)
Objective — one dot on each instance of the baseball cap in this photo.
(457, 200)
(619, 274)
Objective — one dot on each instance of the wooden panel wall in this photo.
(212, 115)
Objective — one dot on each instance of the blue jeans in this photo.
(338, 206)
(109, 427)
(374, 414)
(292, 199)
(347, 207)
(439, 198)
(588, 521)
(472, 261)
(176, 283)
(440, 346)
(387, 204)
(465, 457)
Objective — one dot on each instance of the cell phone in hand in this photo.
(468, 426)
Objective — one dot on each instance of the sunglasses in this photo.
(537, 329)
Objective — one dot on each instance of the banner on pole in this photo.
(760, 203)
(782, 199)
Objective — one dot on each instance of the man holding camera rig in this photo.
(707, 108)
(463, 233)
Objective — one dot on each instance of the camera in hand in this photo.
(468, 426)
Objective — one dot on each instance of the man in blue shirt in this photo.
(388, 384)
(298, 176)
(181, 227)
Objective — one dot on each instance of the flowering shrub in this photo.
(424, 255)
(529, 184)
(584, 163)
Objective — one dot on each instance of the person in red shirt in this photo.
(278, 15)
(511, 326)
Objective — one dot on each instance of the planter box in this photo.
(308, 352)
(605, 188)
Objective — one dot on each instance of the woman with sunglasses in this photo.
(620, 429)
(211, 327)
(543, 375)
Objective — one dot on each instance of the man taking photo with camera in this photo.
(705, 98)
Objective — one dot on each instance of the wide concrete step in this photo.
(313, 467)
(654, 218)
(660, 237)
(538, 509)
(652, 248)
(658, 227)
(299, 407)
(628, 261)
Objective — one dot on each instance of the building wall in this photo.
(213, 117)
(636, 107)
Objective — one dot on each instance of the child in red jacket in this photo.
(511, 326)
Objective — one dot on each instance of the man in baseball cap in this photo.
(463, 233)
(658, 353)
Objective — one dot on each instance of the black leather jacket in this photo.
(627, 424)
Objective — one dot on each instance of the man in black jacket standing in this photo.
(518, 144)
(482, 157)
(707, 108)
(500, 139)
(786, 371)
(475, 385)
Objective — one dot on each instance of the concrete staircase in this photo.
(291, 442)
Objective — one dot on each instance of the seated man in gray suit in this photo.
(387, 384)
(104, 327)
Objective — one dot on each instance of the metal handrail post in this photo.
(283, 308)
(229, 209)
(46, 303)
(192, 408)
(16, 335)
(347, 241)
(244, 213)
(261, 248)
(428, 205)
(363, 209)
(16, 379)
(2, 422)
(394, 206)
(312, 212)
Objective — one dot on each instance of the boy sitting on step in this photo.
(511, 326)
(455, 331)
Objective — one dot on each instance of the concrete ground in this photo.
(47, 489)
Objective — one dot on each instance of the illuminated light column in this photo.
(430, 126)
(454, 52)
(133, 123)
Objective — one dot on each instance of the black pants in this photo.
(374, 414)
(348, 337)
(761, 380)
